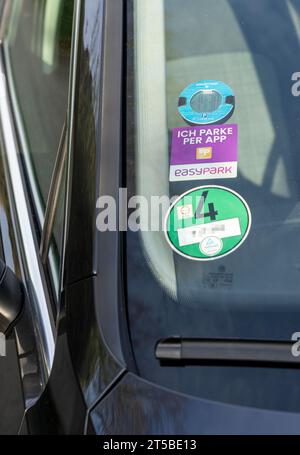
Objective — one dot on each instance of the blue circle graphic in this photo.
(206, 103)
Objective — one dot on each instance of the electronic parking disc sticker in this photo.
(206, 103)
(207, 223)
(204, 152)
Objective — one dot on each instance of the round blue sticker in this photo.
(206, 103)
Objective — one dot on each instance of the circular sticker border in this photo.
(222, 255)
(217, 117)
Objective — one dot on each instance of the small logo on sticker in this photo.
(185, 211)
(211, 246)
(203, 153)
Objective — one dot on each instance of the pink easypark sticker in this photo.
(204, 152)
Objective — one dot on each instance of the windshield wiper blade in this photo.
(196, 350)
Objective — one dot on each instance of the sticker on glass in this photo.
(207, 223)
(204, 152)
(206, 103)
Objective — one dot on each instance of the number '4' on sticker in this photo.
(212, 213)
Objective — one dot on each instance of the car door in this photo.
(35, 83)
(61, 189)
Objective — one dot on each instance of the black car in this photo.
(108, 330)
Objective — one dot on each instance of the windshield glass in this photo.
(244, 281)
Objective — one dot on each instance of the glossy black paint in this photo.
(138, 407)
(61, 408)
(94, 363)
(95, 366)
(84, 159)
(85, 366)
(12, 298)
(11, 371)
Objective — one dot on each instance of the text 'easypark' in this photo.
(204, 152)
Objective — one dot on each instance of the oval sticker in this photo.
(207, 223)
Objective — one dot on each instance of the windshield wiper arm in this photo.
(191, 350)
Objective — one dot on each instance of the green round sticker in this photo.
(207, 223)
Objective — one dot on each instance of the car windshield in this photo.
(252, 291)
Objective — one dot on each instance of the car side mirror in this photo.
(11, 298)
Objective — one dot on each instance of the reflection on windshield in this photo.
(253, 292)
(39, 44)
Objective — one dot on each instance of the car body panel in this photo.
(84, 160)
(138, 407)
(90, 389)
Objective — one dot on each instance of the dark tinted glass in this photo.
(39, 45)
(253, 293)
(38, 55)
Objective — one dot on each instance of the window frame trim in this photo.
(31, 187)
(53, 195)
(33, 272)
